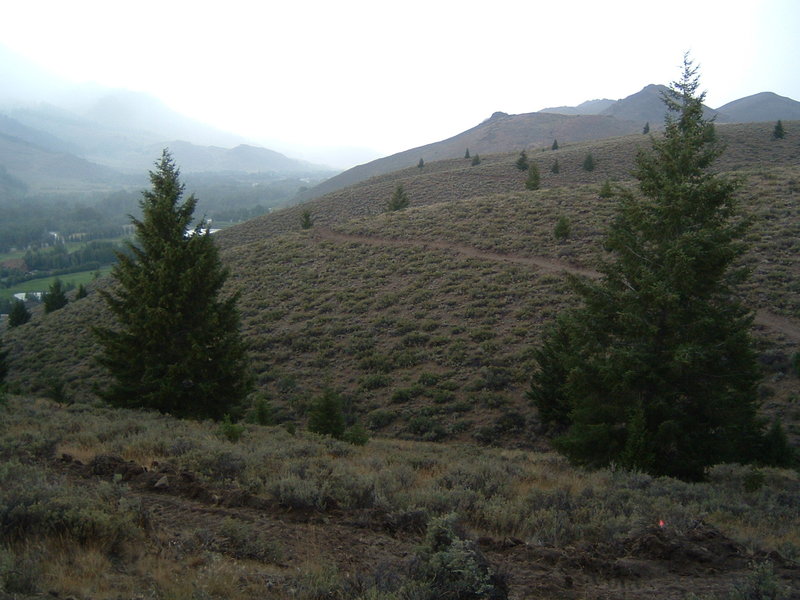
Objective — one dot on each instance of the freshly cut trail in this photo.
(764, 318)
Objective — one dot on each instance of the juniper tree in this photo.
(176, 346)
(779, 132)
(655, 370)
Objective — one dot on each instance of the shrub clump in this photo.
(452, 567)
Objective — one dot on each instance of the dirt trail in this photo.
(764, 318)
(187, 517)
(545, 264)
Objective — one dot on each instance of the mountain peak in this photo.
(764, 106)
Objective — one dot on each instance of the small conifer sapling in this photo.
(533, 180)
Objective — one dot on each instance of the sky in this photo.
(304, 77)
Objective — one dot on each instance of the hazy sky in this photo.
(391, 76)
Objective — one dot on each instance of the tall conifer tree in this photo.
(656, 370)
(177, 346)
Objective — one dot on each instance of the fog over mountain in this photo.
(46, 118)
(124, 130)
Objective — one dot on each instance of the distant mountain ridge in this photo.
(500, 133)
(590, 107)
(243, 157)
(765, 106)
(591, 120)
(56, 135)
(646, 106)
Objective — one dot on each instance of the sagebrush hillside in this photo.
(425, 318)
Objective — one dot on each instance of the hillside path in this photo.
(188, 517)
(764, 318)
(549, 265)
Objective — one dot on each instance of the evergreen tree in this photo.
(305, 220)
(562, 229)
(420, 164)
(606, 191)
(656, 369)
(326, 416)
(19, 314)
(588, 162)
(3, 366)
(466, 154)
(55, 297)
(176, 347)
(399, 199)
(555, 145)
(476, 160)
(778, 133)
(532, 182)
(81, 293)
(555, 169)
(522, 162)
(646, 128)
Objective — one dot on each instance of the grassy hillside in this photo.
(750, 146)
(425, 319)
(498, 134)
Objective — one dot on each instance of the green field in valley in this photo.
(42, 284)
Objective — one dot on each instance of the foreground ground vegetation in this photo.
(108, 503)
